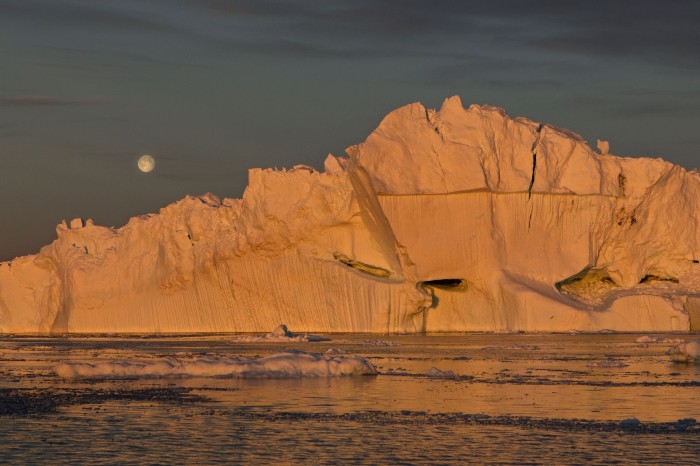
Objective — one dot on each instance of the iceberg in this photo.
(458, 219)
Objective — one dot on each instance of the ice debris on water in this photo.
(650, 339)
(686, 352)
(285, 364)
(280, 334)
(369, 342)
(682, 425)
(608, 363)
(440, 374)
(630, 424)
(511, 348)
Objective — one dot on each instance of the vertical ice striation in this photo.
(450, 220)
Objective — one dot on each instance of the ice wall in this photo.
(450, 220)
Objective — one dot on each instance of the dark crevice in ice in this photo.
(656, 278)
(362, 266)
(431, 124)
(534, 158)
(533, 150)
(446, 283)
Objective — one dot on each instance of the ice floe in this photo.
(285, 364)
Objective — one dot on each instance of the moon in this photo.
(146, 163)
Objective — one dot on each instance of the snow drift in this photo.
(286, 364)
(450, 220)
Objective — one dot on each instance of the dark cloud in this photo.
(83, 14)
(529, 83)
(261, 8)
(46, 101)
(646, 108)
(635, 103)
(651, 31)
(353, 27)
(212, 87)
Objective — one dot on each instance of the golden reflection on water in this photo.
(533, 375)
(596, 377)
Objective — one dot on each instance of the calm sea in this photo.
(438, 399)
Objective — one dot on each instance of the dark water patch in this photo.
(687, 426)
(519, 379)
(21, 402)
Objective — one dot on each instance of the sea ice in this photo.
(285, 364)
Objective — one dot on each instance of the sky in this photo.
(211, 88)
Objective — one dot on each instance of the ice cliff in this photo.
(450, 220)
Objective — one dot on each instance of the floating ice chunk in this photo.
(440, 374)
(369, 342)
(630, 424)
(608, 363)
(648, 339)
(286, 364)
(682, 425)
(280, 334)
(686, 352)
(511, 348)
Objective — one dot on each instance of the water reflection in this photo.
(541, 376)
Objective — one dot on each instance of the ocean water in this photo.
(438, 399)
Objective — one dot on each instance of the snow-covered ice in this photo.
(558, 237)
(286, 364)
